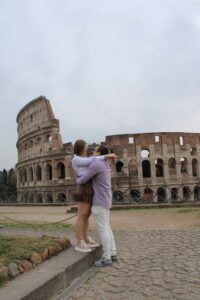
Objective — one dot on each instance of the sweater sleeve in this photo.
(91, 172)
(79, 161)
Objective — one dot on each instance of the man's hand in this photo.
(111, 156)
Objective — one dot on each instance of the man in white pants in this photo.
(100, 173)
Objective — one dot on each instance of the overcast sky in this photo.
(107, 66)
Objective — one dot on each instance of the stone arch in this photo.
(145, 153)
(172, 166)
(39, 198)
(161, 194)
(49, 198)
(195, 167)
(24, 175)
(146, 168)
(133, 168)
(148, 194)
(159, 167)
(184, 165)
(135, 195)
(193, 151)
(23, 197)
(31, 198)
(197, 193)
(26, 197)
(60, 170)
(20, 176)
(118, 196)
(31, 144)
(61, 198)
(30, 174)
(186, 193)
(174, 194)
(119, 166)
(48, 171)
(38, 173)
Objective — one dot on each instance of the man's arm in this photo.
(79, 161)
(91, 172)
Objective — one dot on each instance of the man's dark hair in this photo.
(103, 150)
(79, 147)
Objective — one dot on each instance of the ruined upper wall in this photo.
(35, 115)
(154, 138)
(38, 130)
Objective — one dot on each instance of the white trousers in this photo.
(102, 218)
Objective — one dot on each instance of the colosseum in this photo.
(151, 167)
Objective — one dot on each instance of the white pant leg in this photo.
(113, 250)
(101, 217)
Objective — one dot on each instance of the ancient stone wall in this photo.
(151, 167)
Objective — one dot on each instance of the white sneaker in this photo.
(81, 246)
(91, 243)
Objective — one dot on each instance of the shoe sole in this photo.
(102, 266)
(93, 245)
(82, 250)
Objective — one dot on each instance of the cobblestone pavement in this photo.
(153, 265)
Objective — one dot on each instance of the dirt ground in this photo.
(144, 219)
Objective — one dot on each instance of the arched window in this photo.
(184, 169)
(38, 173)
(145, 153)
(193, 151)
(48, 172)
(161, 194)
(159, 167)
(119, 166)
(195, 171)
(146, 168)
(172, 166)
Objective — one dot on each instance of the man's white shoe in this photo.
(81, 246)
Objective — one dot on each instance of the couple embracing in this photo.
(94, 196)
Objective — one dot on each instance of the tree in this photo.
(12, 179)
(5, 177)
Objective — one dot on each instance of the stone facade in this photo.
(151, 167)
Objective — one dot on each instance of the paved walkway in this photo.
(152, 265)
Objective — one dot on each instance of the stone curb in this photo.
(53, 275)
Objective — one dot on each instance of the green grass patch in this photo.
(186, 210)
(19, 248)
(35, 225)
